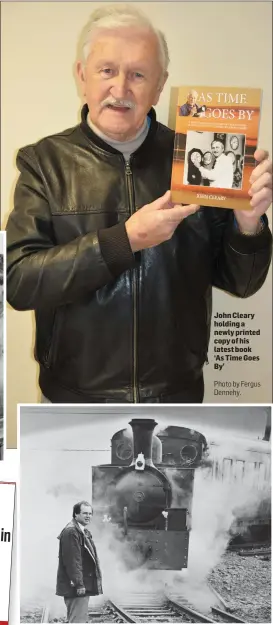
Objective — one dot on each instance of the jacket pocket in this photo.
(48, 336)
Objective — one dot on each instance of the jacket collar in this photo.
(73, 523)
(141, 151)
(78, 528)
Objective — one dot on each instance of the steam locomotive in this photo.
(147, 491)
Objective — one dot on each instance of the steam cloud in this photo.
(218, 496)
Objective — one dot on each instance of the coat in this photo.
(113, 325)
(78, 562)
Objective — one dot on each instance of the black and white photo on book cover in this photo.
(203, 148)
(145, 514)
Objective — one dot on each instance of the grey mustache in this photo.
(120, 103)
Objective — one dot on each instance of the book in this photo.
(216, 134)
(7, 504)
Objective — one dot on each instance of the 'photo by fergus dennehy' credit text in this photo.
(146, 512)
(214, 160)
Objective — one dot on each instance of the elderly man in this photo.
(190, 107)
(221, 175)
(79, 574)
(121, 279)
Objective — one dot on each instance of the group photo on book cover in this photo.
(167, 508)
(210, 161)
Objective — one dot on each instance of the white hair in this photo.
(117, 16)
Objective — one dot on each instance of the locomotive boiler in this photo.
(147, 491)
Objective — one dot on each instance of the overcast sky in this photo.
(76, 427)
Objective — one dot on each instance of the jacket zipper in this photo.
(129, 178)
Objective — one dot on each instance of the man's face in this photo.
(217, 148)
(192, 98)
(123, 66)
(85, 515)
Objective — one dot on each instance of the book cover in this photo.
(7, 503)
(216, 134)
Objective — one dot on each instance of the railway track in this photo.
(217, 614)
(139, 608)
(148, 608)
(221, 616)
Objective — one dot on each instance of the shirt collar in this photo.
(82, 527)
(115, 142)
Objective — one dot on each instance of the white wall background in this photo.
(214, 43)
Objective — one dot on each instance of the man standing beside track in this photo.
(79, 575)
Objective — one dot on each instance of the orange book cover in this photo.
(216, 134)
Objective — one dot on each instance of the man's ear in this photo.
(160, 87)
(81, 76)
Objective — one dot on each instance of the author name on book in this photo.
(211, 197)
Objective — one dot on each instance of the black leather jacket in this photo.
(112, 325)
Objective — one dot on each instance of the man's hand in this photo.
(260, 193)
(156, 222)
(193, 110)
(81, 592)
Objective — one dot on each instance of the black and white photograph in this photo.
(145, 514)
(214, 159)
(2, 245)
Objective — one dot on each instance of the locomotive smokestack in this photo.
(142, 436)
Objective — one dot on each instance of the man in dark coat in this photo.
(120, 278)
(79, 574)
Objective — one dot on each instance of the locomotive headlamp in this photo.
(140, 463)
(165, 514)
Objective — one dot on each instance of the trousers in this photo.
(77, 609)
